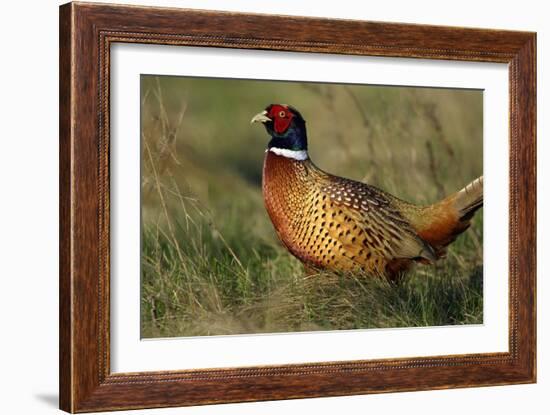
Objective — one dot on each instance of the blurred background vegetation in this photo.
(211, 261)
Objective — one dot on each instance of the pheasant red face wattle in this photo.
(281, 116)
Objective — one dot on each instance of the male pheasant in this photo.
(338, 224)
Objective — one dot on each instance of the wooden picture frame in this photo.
(86, 33)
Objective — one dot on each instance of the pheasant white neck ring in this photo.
(299, 155)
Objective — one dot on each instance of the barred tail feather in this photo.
(469, 199)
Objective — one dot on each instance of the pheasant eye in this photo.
(282, 114)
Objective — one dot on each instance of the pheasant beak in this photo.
(261, 117)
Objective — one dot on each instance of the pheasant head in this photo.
(287, 129)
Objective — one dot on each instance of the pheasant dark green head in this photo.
(285, 125)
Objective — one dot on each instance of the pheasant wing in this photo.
(365, 221)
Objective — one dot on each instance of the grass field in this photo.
(211, 262)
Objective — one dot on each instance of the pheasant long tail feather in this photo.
(469, 199)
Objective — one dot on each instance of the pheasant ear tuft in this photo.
(296, 112)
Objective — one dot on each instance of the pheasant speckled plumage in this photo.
(339, 224)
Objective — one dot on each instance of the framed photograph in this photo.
(249, 213)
